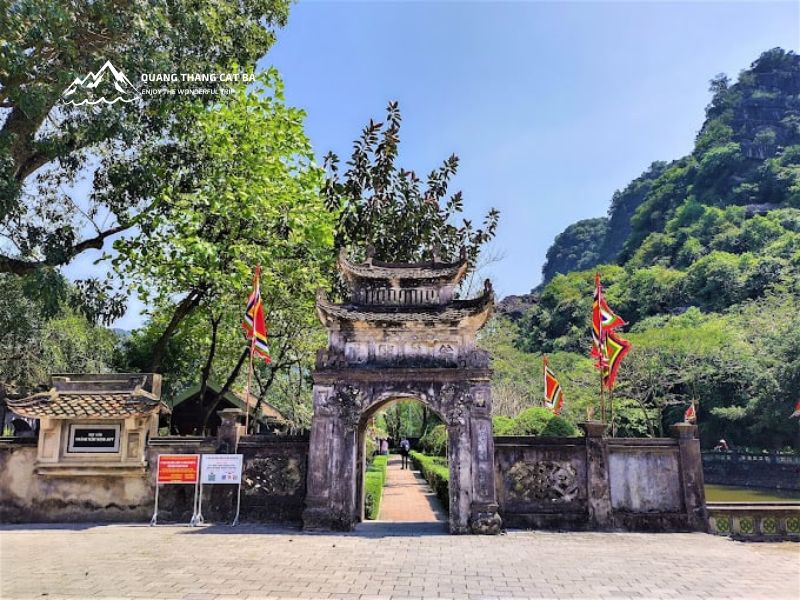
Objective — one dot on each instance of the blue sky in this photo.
(551, 106)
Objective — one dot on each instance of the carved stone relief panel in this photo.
(272, 476)
(552, 481)
(356, 353)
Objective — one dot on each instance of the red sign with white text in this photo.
(178, 468)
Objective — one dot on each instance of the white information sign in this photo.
(221, 468)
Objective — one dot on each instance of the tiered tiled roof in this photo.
(94, 396)
(453, 312)
(87, 405)
(425, 271)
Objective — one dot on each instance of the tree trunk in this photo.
(183, 310)
(225, 388)
(207, 366)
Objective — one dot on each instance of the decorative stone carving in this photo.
(456, 401)
(475, 359)
(272, 476)
(486, 522)
(346, 401)
(545, 480)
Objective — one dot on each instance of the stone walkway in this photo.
(408, 497)
(382, 560)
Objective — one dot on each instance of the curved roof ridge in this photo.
(372, 269)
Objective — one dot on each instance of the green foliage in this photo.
(501, 425)
(374, 480)
(708, 277)
(576, 248)
(540, 421)
(42, 332)
(124, 149)
(434, 442)
(383, 206)
(436, 472)
(256, 202)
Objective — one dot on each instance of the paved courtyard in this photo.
(384, 560)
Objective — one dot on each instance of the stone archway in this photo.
(402, 335)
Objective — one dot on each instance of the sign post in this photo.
(218, 469)
(177, 469)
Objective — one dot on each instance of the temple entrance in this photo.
(401, 486)
(402, 334)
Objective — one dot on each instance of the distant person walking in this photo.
(405, 447)
(384, 446)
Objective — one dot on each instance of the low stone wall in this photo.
(273, 488)
(595, 482)
(26, 496)
(778, 471)
(274, 481)
(777, 521)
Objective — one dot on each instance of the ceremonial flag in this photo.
(690, 416)
(604, 320)
(615, 348)
(796, 412)
(553, 394)
(607, 347)
(253, 324)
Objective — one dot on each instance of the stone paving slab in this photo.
(407, 496)
(384, 561)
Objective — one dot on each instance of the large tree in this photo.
(255, 200)
(387, 207)
(50, 151)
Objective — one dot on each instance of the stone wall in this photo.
(274, 481)
(595, 482)
(273, 487)
(29, 497)
(778, 471)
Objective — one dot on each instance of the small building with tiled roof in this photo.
(94, 424)
(188, 412)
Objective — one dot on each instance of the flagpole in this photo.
(602, 399)
(611, 409)
(247, 389)
(256, 285)
(544, 376)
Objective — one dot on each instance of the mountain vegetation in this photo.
(702, 257)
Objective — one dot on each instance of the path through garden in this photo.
(407, 497)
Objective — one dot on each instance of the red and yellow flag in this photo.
(615, 350)
(553, 394)
(796, 412)
(254, 325)
(607, 347)
(690, 416)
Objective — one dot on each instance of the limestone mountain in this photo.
(747, 153)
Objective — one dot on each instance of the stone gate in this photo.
(402, 333)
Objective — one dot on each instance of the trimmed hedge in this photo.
(537, 421)
(374, 479)
(540, 421)
(436, 472)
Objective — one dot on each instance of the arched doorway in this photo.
(402, 335)
(405, 495)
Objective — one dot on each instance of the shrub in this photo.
(374, 479)
(436, 472)
(540, 421)
(502, 425)
(434, 442)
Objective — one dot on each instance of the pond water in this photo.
(730, 493)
